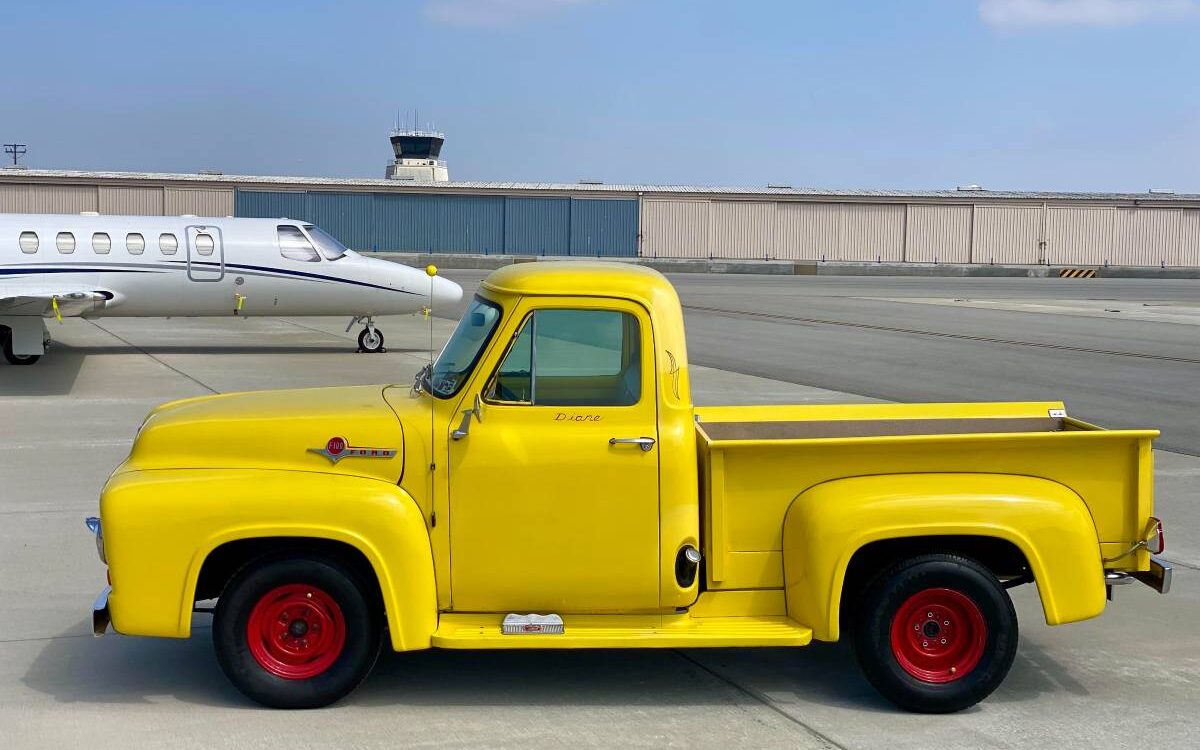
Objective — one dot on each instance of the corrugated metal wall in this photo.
(938, 234)
(808, 231)
(1189, 237)
(1007, 234)
(61, 199)
(133, 201)
(675, 228)
(603, 227)
(1147, 236)
(689, 225)
(872, 231)
(276, 204)
(197, 201)
(483, 224)
(537, 226)
(742, 229)
(1079, 235)
(352, 213)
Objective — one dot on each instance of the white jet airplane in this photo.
(91, 266)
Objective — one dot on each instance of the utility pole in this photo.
(16, 150)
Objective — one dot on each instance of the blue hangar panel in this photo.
(348, 216)
(604, 227)
(440, 223)
(273, 204)
(537, 226)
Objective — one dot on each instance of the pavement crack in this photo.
(817, 735)
(173, 369)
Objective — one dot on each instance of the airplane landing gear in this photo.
(6, 343)
(370, 340)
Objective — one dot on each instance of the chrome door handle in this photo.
(644, 443)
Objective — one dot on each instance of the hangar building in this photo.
(592, 219)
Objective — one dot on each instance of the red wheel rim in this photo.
(938, 635)
(296, 631)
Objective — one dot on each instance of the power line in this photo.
(16, 150)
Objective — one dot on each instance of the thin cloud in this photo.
(1024, 14)
(492, 12)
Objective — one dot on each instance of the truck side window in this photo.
(572, 358)
(294, 245)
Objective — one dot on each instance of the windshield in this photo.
(325, 242)
(464, 347)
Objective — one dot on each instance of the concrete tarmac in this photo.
(1127, 678)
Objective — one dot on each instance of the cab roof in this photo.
(581, 278)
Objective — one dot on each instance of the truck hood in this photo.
(349, 431)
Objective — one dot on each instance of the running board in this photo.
(624, 631)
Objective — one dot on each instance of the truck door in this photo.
(205, 254)
(554, 494)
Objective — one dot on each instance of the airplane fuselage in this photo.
(87, 265)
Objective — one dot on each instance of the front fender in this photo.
(160, 526)
(826, 524)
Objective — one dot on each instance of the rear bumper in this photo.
(1157, 578)
(100, 616)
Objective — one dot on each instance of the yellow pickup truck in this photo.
(548, 483)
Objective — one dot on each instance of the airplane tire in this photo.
(371, 344)
(13, 358)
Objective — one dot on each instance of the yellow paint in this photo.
(54, 304)
(533, 513)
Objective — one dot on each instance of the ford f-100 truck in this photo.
(548, 483)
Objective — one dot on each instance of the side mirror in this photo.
(464, 427)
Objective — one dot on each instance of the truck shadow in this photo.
(120, 670)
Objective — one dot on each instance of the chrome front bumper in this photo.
(1157, 578)
(100, 615)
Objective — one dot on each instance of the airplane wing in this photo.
(49, 301)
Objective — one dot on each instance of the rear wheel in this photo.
(13, 358)
(936, 633)
(296, 632)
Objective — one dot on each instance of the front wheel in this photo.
(296, 632)
(370, 341)
(936, 633)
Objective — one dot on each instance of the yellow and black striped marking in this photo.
(1077, 273)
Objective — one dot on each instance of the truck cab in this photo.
(548, 483)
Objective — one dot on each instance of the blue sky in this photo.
(1016, 94)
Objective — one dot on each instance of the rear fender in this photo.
(1049, 523)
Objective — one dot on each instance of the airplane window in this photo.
(204, 244)
(135, 243)
(294, 245)
(101, 243)
(328, 244)
(65, 242)
(29, 242)
(167, 243)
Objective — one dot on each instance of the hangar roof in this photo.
(368, 184)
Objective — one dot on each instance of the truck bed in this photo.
(754, 460)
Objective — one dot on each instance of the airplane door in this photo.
(205, 253)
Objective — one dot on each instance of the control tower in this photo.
(417, 156)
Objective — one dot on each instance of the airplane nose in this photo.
(445, 292)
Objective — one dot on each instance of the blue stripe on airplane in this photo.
(268, 269)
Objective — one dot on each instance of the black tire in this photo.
(347, 666)
(920, 674)
(12, 357)
(370, 344)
